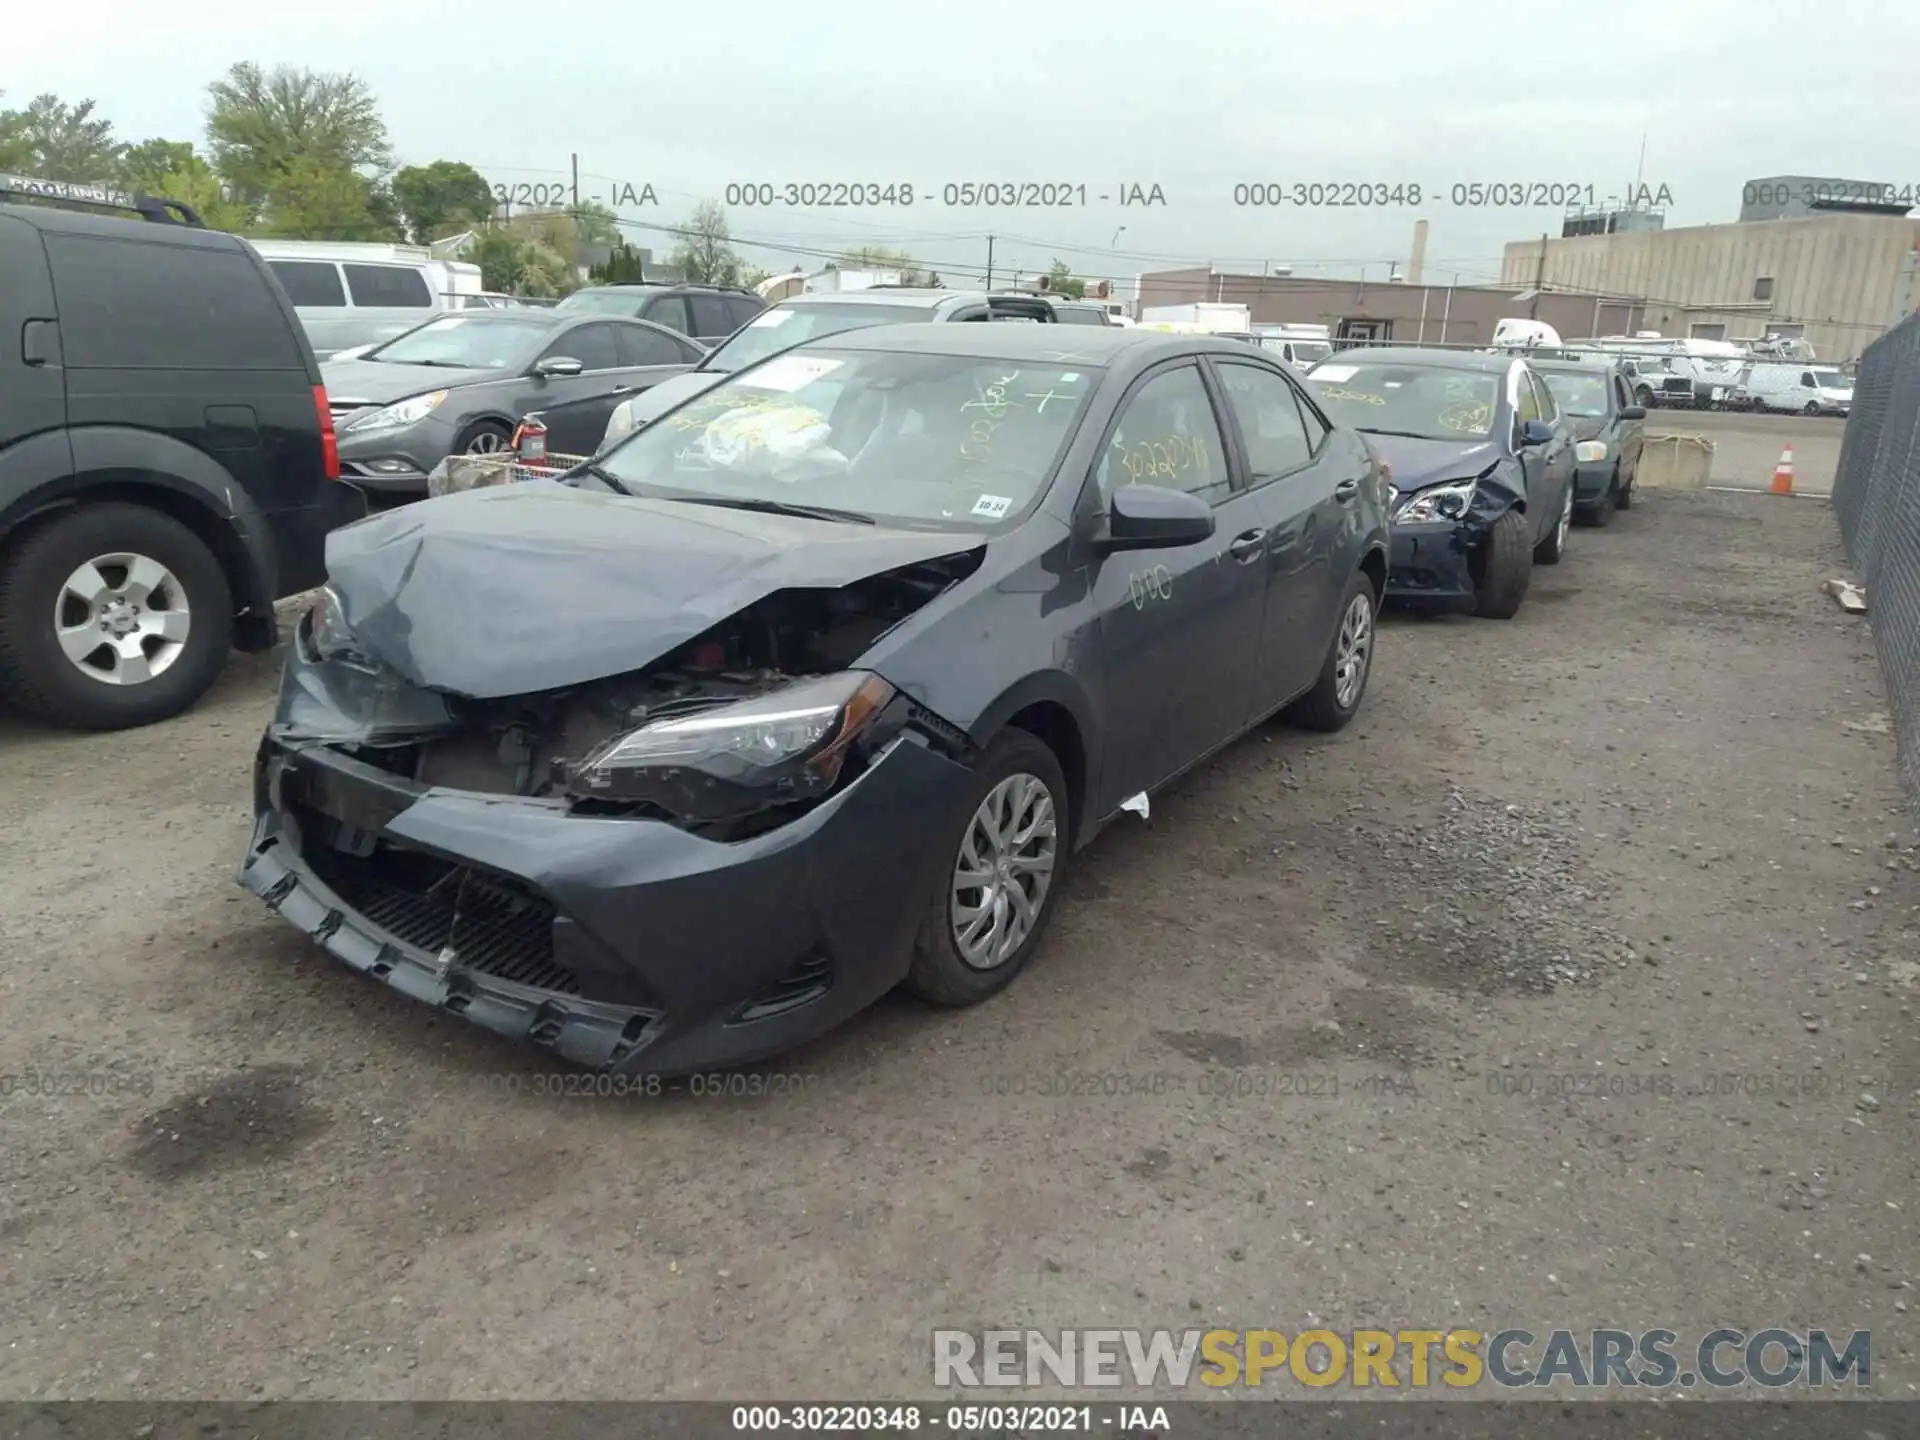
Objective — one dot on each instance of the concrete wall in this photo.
(1435, 314)
(1840, 275)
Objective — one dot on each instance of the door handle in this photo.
(1346, 490)
(1248, 546)
(39, 343)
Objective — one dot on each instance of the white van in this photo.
(1301, 346)
(1812, 390)
(350, 294)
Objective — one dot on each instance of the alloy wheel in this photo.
(1004, 870)
(122, 618)
(1352, 651)
(487, 442)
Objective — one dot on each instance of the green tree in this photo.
(441, 199)
(622, 267)
(1060, 281)
(58, 141)
(170, 168)
(154, 157)
(594, 223)
(262, 124)
(515, 265)
(314, 199)
(705, 254)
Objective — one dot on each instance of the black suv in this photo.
(707, 313)
(168, 466)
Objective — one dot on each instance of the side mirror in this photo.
(1148, 517)
(1535, 432)
(1634, 412)
(557, 365)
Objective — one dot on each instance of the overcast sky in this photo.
(1193, 98)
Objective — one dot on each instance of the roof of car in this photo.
(1577, 367)
(616, 285)
(1496, 364)
(902, 295)
(1047, 344)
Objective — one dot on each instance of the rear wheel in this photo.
(1812, 407)
(1549, 550)
(112, 616)
(1335, 697)
(993, 896)
(1506, 569)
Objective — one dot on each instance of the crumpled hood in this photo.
(379, 383)
(521, 588)
(1420, 463)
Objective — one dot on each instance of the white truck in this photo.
(1201, 318)
(1301, 346)
(1808, 389)
(1684, 374)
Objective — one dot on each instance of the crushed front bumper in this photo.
(1591, 483)
(617, 944)
(1430, 565)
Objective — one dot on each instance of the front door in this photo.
(1179, 628)
(575, 408)
(1296, 491)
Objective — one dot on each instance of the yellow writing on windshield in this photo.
(993, 406)
(1466, 419)
(1361, 397)
(703, 413)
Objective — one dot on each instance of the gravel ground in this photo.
(1573, 985)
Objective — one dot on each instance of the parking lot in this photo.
(1573, 985)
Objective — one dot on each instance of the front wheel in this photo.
(112, 616)
(1643, 397)
(1506, 569)
(994, 893)
(1812, 407)
(1335, 697)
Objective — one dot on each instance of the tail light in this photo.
(329, 442)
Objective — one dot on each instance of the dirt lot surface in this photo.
(1573, 985)
(1746, 446)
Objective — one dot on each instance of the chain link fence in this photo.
(1877, 497)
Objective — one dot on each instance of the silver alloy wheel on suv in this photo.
(122, 619)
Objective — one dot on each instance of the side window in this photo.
(1806, 378)
(1317, 429)
(642, 345)
(146, 304)
(670, 311)
(710, 315)
(1167, 435)
(743, 310)
(1526, 402)
(310, 282)
(1269, 420)
(591, 345)
(388, 287)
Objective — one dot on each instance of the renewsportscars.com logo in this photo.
(1510, 1359)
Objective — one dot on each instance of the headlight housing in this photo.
(401, 412)
(328, 635)
(730, 761)
(1589, 451)
(1448, 501)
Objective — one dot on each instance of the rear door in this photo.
(670, 311)
(33, 389)
(319, 298)
(1179, 628)
(712, 318)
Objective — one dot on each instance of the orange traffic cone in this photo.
(1783, 472)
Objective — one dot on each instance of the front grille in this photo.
(1677, 387)
(494, 926)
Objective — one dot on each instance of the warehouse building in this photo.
(1832, 263)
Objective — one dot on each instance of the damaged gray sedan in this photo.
(810, 689)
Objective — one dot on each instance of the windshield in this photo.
(783, 327)
(603, 302)
(1831, 380)
(491, 341)
(916, 439)
(1584, 395)
(1423, 401)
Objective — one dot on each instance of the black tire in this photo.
(1601, 515)
(1506, 569)
(1812, 407)
(1320, 708)
(1624, 500)
(1551, 550)
(938, 973)
(36, 672)
(1643, 397)
(474, 433)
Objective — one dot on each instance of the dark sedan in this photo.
(811, 689)
(1482, 470)
(1608, 434)
(460, 383)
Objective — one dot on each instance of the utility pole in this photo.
(989, 262)
(576, 182)
(1539, 280)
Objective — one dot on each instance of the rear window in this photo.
(309, 282)
(743, 310)
(388, 287)
(711, 315)
(143, 304)
(1075, 315)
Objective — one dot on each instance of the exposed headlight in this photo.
(401, 412)
(1588, 451)
(328, 635)
(739, 759)
(1438, 502)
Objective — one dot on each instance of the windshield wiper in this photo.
(603, 475)
(775, 507)
(1410, 434)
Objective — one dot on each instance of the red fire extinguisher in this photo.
(530, 440)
